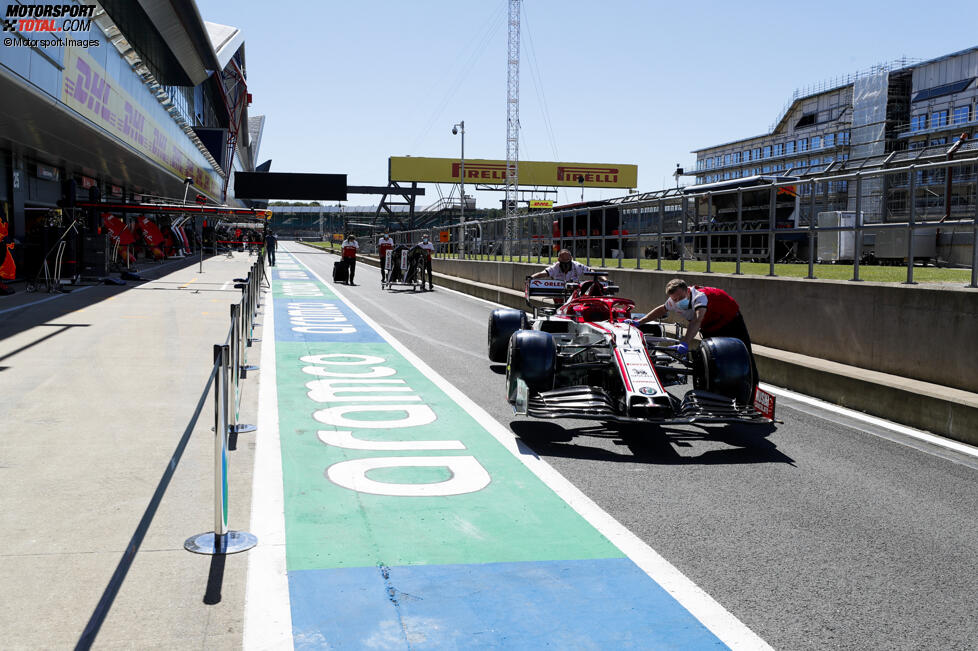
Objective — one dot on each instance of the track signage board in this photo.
(493, 172)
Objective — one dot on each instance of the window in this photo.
(844, 138)
(939, 141)
(806, 120)
(755, 154)
(726, 176)
(918, 122)
(745, 156)
(830, 140)
(803, 144)
(726, 159)
(816, 142)
(767, 169)
(736, 158)
(789, 147)
(767, 151)
(709, 163)
(778, 149)
(961, 114)
(938, 119)
(719, 160)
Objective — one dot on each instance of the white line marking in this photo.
(705, 608)
(225, 285)
(933, 439)
(45, 300)
(268, 612)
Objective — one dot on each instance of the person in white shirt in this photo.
(566, 269)
(350, 248)
(429, 248)
(384, 244)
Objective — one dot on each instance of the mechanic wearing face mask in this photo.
(566, 269)
(709, 310)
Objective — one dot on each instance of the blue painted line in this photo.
(584, 604)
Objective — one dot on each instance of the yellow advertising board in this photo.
(88, 90)
(493, 172)
(541, 203)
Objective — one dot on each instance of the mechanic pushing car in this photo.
(709, 310)
(566, 269)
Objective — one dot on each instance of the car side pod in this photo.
(721, 365)
(502, 324)
(532, 358)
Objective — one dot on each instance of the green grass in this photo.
(869, 273)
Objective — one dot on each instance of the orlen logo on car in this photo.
(590, 174)
(482, 172)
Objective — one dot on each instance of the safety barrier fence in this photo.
(229, 370)
(908, 206)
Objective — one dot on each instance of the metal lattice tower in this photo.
(513, 111)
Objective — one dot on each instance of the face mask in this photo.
(683, 304)
(565, 266)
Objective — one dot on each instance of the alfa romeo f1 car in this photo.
(582, 360)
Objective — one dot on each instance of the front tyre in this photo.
(532, 357)
(502, 324)
(722, 365)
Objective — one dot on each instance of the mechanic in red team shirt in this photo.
(709, 310)
(384, 244)
(350, 248)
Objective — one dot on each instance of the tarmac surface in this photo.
(826, 532)
(101, 480)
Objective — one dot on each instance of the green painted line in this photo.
(516, 517)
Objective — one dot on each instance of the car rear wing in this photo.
(544, 288)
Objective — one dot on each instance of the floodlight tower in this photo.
(512, 116)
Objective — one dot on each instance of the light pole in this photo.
(461, 238)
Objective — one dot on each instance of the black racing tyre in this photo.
(722, 365)
(502, 324)
(531, 356)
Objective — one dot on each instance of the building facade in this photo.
(125, 102)
(912, 109)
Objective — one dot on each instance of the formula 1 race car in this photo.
(581, 360)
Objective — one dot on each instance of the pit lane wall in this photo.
(925, 333)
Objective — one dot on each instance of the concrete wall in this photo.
(927, 333)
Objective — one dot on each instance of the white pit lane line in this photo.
(902, 432)
(701, 605)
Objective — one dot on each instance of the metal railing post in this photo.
(911, 215)
(221, 540)
(770, 229)
(709, 231)
(857, 232)
(658, 247)
(682, 235)
(604, 236)
(740, 227)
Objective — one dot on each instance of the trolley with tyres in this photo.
(405, 267)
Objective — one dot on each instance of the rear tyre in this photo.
(531, 357)
(722, 365)
(502, 324)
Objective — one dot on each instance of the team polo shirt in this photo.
(720, 306)
(428, 247)
(350, 248)
(574, 275)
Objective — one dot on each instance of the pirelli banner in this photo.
(493, 172)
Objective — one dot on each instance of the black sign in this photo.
(286, 185)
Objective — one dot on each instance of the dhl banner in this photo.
(493, 172)
(541, 203)
(88, 90)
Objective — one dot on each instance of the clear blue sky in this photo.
(345, 85)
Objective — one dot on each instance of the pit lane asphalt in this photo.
(823, 533)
